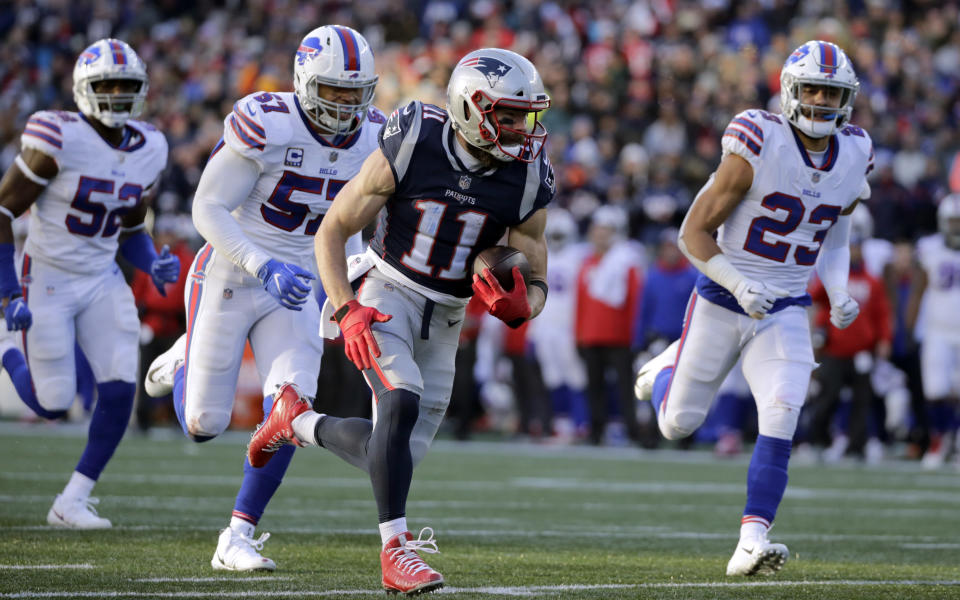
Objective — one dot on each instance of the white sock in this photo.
(242, 526)
(305, 425)
(755, 528)
(392, 528)
(79, 486)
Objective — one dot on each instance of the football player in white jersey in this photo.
(86, 176)
(779, 203)
(260, 200)
(940, 351)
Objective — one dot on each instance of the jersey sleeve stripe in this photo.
(47, 124)
(251, 124)
(750, 144)
(246, 139)
(43, 136)
(750, 125)
(246, 129)
(739, 127)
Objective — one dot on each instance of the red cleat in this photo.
(404, 570)
(277, 431)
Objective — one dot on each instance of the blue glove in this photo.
(286, 282)
(17, 315)
(165, 268)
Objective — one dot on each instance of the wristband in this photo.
(539, 283)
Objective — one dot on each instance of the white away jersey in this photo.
(942, 296)
(75, 222)
(301, 172)
(774, 234)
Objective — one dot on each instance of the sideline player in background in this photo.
(451, 183)
(260, 200)
(940, 352)
(781, 196)
(87, 176)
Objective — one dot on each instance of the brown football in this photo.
(501, 260)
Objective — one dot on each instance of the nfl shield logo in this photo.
(227, 293)
(816, 177)
(465, 182)
(334, 156)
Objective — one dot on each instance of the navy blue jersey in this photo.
(441, 214)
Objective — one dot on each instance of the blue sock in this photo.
(767, 476)
(85, 379)
(259, 485)
(660, 385)
(578, 407)
(16, 366)
(109, 423)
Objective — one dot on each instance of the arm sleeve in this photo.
(833, 267)
(226, 182)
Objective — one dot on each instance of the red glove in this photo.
(510, 307)
(358, 343)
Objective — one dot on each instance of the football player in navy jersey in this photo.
(452, 183)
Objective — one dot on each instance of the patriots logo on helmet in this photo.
(309, 49)
(491, 68)
(90, 55)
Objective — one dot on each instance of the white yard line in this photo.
(237, 579)
(536, 590)
(34, 567)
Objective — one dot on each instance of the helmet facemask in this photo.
(525, 144)
(814, 120)
(335, 118)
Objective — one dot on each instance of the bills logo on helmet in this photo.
(798, 54)
(308, 50)
(90, 55)
(491, 68)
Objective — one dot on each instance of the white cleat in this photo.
(757, 557)
(76, 513)
(159, 380)
(643, 388)
(237, 552)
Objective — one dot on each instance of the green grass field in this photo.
(512, 520)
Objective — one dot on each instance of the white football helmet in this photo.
(109, 59)
(337, 56)
(492, 78)
(948, 220)
(817, 63)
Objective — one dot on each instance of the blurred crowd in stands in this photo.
(641, 91)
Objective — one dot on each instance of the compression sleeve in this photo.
(226, 182)
(833, 267)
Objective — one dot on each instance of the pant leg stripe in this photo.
(683, 338)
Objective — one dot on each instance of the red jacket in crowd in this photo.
(599, 323)
(874, 325)
(164, 315)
